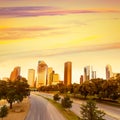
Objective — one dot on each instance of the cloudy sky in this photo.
(86, 32)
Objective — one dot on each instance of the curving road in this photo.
(41, 109)
(112, 113)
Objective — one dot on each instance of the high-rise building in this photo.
(55, 79)
(93, 74)
(68, 73)
(86, 73)
(109, 73)
(31, 77)
(50, 76)
(15, 73)
(81, 79)
(42, 74)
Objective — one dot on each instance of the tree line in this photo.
(100, 88)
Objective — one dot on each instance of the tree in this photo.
(56, 97)
(87, 88)
(2, 89)
(89, 111)
(110, 89)
(98, 85)
(66, 102)
(17, 90)
(75, 89)
(3, 111)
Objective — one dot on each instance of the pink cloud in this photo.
(43, 11)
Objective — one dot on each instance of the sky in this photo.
(85, 32)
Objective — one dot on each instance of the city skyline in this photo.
(83, 32)
(87, 74)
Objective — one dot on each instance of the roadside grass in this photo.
(102, 101)
(80, 97)
(68, 114)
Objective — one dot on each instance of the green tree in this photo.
(98, 85)
(56, 97)
(2, 89)
(75, 89)
(66, 102)
(17, 90)
(87, 88)
(3, 111)
(89, 111)
(110, 89)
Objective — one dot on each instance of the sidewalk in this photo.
(19, 111)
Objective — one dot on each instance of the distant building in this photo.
(55, 79)
(93, 74)
(68, 73)
(42, 74)
(109, 73)
(86, 73)
(50, 76)
(81, 79)
(15, 73)
(31, 77)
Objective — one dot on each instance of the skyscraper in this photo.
(81, 79)
(68, 73)
(93, 74)
(15, 73)
(31, 77)
(42, 74)
(86, 73)
(109, 73)
(50, 76)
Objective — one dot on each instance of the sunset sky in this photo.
(85, 32)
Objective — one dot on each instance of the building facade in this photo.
(93, 75)
(55, 79)
(86, 73)
(109, 72)
(81, 79)
(68, 73)
(50, 76)
(42, 74)
(31, 77)
(15, 73)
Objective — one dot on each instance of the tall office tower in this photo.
(55, 79)
(15, 73)
(42, 73)
(93, 74)
(81, 79)
(109, 73)
(50, 76)
(31, 77)
(86, 73)
(68, 73)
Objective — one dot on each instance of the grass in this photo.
(68, 114)
(103, 101)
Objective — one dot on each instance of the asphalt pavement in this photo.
(41, 109)
(112, 113)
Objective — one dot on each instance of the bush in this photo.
(91, 112)
(3, 111)
(66, 102)
(56, 97)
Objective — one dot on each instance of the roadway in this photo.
(41, 109)
(112, 113)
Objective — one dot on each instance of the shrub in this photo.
(56, 97)
(66, 102)
(3, 111)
